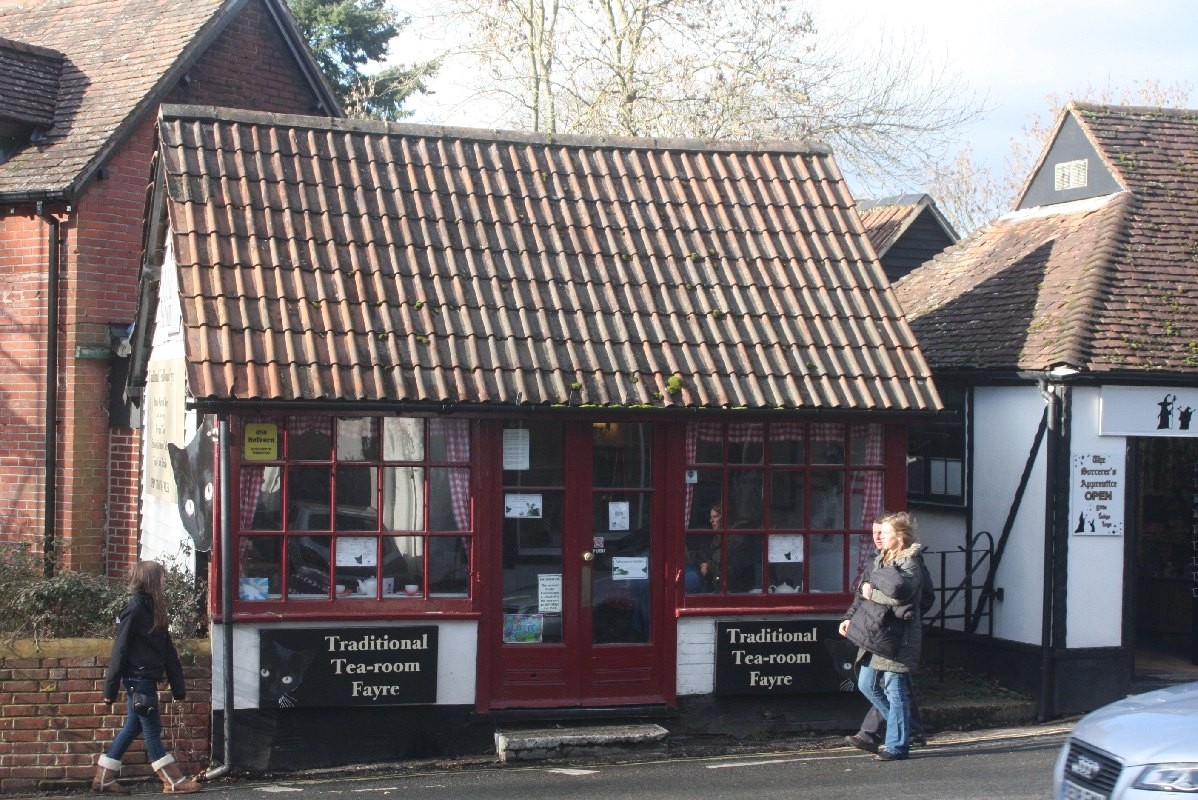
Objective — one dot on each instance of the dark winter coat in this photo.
(137, 653)
(889, 624)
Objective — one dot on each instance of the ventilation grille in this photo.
(1071, 174)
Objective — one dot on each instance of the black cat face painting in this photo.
(193, 470)
(281, 674)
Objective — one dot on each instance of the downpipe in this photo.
(226, 601)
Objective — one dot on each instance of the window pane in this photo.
(745, 558)
(544, 451)
(356, 499)
(449, 440)
(356, 573)
(865, 497)
(827, 563)
(403, 498)
(449, 566)
(788, 503)
(532, 574)
(308, 496)
(309, 438)
(746, 498)
(449, 498)
(622, 455)
(827, 443)
(261, 498)
(705, 443)
(620, 605)
(705, 500)
(827, 499)
(786, 443)
(746, 443)
(308, 566)
(403, 439)
(866, 444)
(403, 566)
(356, 439)
(786, 557)
(261, 567)
(702, 574)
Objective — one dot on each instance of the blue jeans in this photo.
(890, 693)
(149, 726)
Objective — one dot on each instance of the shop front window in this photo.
(355, 508)
(780, 508)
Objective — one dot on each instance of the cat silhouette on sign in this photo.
(193, 470)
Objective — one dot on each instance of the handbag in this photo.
(145, 704)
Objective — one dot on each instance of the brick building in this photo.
(80, 84)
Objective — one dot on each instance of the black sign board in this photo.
(323, 667)
(782, 657)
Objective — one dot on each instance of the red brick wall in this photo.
(248, 66)
(54, 721)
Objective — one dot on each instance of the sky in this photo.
(1011, 54)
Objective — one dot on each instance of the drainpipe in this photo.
(50, 502)
(226, 600)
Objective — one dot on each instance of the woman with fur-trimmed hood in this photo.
(884, 622)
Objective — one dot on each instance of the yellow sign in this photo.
(261, 441)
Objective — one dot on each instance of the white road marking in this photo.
(566, 771)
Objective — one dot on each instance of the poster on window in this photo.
(617, 515)
(515, 449)
(523, 506)
(549, 593)
(1096, 497)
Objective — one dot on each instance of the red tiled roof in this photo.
(352, 260)
(1106, 285)
(120, 57)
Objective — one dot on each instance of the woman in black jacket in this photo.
(142, 655)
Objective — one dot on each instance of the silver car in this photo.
(1133, 749)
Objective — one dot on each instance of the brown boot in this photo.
(107, 769)
(173, 781)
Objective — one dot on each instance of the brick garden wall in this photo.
(54, 721)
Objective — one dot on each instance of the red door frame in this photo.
(561, 675)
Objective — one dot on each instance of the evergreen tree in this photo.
(347, 36)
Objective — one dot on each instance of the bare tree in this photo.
(971, 194)
(745, 69)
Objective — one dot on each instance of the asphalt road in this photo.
(1011, 764)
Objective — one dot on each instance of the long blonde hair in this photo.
(903, 525)
(148, 577)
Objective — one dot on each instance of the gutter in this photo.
(50, 501)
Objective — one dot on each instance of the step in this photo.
(587, 741)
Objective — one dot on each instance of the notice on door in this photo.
(1096, 496)
(549, 594)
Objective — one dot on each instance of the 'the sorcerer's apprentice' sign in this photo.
(322, 667)
(783, 657)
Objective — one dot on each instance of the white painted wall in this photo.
(457, 658)
(163, 537)
(1094, 611)
(1005, 422)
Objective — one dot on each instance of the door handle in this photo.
(588, 556)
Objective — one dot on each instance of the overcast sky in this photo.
(1012, 53)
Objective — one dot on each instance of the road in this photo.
(1012, 764)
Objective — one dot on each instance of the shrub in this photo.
(81, 604)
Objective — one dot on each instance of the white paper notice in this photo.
(515, 449)
(629, 568)
(549, 594)
(617, 516)
(522, 506)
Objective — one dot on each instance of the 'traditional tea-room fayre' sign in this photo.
(323, 667)
(784, 657)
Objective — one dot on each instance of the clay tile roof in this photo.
(120, 57)
(1018, 294)
(353, 260)
(884, 220)
(1107, 285)
(28, 83)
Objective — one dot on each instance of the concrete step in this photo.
(584, 741)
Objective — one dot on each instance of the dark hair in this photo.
(148, 578)
(880, 517)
